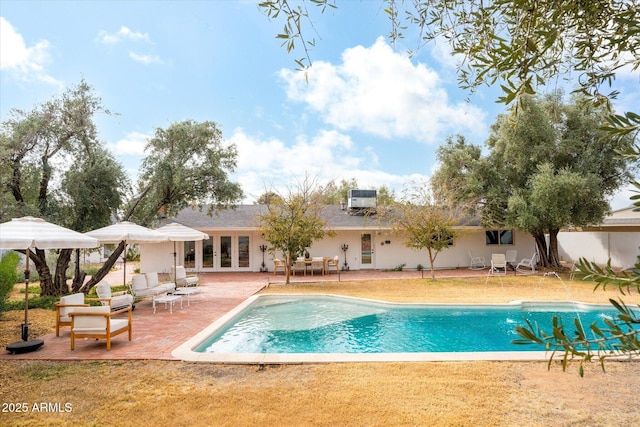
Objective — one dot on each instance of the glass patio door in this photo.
(225, 252)
(366, 251)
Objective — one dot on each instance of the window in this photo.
(499, 237)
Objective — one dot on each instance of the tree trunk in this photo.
(60, 279)
(287, 268)
(39, 258)
(79, 275)
(431, 262)
(541, 243)
(554, 258)
(106, 267)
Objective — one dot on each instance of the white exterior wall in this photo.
(159, 256)
(600, 246)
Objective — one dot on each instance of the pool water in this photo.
(331, 324)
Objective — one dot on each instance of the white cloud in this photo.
(329, 155)
(133, 143)
(123, 34)
(145, 59)
(622, 199)
(27, 63)
(380, 92)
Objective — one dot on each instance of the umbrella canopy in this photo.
(180, 233)
(29, 232)
(126, 232)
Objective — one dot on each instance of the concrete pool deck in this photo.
(156, 336)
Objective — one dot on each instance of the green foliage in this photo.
(45, 302)
(8, 277)
(423, 222)
(187, 164)
(419, 267)
(550, 165)
(399, 267)
(293, 222)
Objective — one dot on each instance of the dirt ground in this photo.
(437, 393)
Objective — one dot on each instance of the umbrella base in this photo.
(25, 346)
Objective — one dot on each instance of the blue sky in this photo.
(368, 112)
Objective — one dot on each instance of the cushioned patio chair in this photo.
(115, 301)
(66, 305)
(300, 265)
(498, 264)
(317, 263)
(98, 323)
(279, 264)
(333, 263)
(182, 279)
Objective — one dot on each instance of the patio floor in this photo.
(156, 335)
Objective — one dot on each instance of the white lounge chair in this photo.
(498, 264)
(116, 302)
(527, 265)
(477, 262)
(182, 279)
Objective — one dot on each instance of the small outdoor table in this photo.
(188, 292)
(167, 299)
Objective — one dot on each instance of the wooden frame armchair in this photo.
(333, 263)
(66, 305)
(97, 322)
(317, 263)
(279, 264)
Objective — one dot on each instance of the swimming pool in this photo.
(301, 328)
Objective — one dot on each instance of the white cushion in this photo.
(139, 282)
(103, 289)
(152, 279)
(90, 323)
(118, 324)
(74, 299)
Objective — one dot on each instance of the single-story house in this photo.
(360, 242)
(617, 239)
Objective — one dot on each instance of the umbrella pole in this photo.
(124, 269)
(25, 325)
(175, 265)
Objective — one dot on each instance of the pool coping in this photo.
(185, 351)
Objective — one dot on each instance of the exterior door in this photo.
(226, 260)
(366, 251)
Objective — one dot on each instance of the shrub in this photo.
(8, 277)
(419, 267)
(398, 267)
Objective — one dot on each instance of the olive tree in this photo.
(293, 221)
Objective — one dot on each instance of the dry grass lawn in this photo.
(445, 393)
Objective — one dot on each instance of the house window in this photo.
(499, 237)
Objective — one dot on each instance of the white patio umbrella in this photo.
(126, 232)
(29, 232)
(180, 233)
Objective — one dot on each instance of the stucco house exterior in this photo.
(235, 243)
(617, 238)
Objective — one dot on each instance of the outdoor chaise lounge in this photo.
(98, 323)
(116, 302)
(66, 305)
(148, 285)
